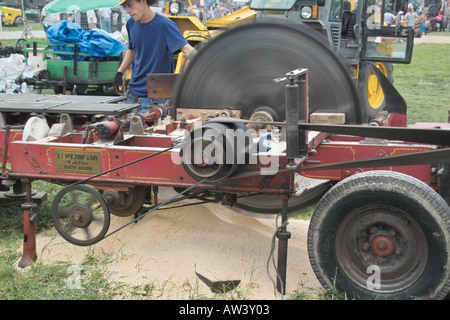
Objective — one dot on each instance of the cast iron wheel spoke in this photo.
(80, 215)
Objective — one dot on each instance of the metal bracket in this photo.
(292, 75)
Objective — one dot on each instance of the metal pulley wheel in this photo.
(212, 152)
(125, 203)
(80, 215)
(236, 70)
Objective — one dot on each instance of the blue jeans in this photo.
(106, 24)
(145, 102)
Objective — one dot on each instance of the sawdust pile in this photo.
(167, 247)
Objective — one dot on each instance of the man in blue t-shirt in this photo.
(152, 41)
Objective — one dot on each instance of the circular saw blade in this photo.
(236, 70)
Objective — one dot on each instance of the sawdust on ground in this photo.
(166, 248)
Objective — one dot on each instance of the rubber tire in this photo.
(430, 213)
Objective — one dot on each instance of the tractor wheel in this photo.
(381, 235)
(371, 92)
(18, 45)
(18, 21)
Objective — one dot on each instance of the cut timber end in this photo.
(331, 118)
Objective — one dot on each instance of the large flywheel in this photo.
(236, 70)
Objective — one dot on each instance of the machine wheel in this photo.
(18, 21)
(80, 215)
(381, 235)
(18, 45)
(124, 204)
(210, 153)
(370, 89)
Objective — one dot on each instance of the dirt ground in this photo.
(433, 39)
(166, 249)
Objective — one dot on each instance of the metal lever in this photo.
(291, 75)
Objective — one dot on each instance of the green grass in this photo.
(425, 83)
(32, 25)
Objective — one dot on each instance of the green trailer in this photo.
(73, 75)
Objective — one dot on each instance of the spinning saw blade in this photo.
(236, 70)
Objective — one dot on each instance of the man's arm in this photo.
(189, 51)
(127, 61)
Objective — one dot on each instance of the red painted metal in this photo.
(382, 245)
(36, 161)
(29, 237)
(344, 148)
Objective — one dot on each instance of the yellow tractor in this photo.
(11, 16)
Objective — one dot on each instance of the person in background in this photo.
(446, 8)
(212, 12)
(410, 16)
(202, 15)
(92, 19)
(153, 39)
(389, 17)
(46, 18)
(106, 19)
(196, 10)
(440, 21)
(422, 21)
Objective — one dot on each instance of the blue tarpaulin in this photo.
(97, 43)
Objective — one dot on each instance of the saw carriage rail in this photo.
(113, 162)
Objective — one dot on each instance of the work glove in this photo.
(118, 83)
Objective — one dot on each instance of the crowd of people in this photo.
(213, 11)
(105, 15)
(420, 18)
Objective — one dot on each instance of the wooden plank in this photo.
(159, 85)
(327, 117)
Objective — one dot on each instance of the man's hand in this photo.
(118, 83)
